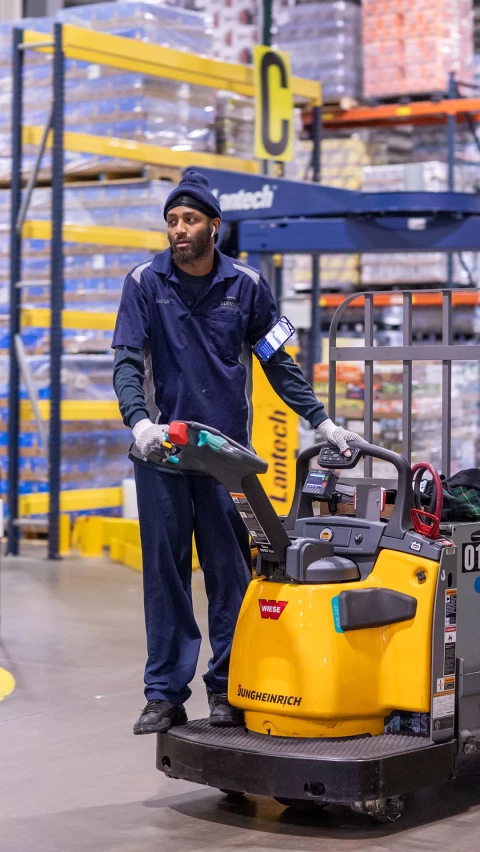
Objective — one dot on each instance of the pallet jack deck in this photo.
(340, 770)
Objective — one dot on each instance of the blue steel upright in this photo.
(56, 299)
(15, 292)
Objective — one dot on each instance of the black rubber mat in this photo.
(352, 748)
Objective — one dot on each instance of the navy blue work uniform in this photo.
(197, 357)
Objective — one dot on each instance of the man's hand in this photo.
(328, 431)
(149, 437)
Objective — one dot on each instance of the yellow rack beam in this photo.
(132, 55)
(141, 152)
(32, 37)
(78, 500)
(87, 320)
(74, 409)
(39, 229)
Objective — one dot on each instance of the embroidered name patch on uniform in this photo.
(229, 302)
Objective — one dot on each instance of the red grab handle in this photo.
(424, 523)
(428, 523)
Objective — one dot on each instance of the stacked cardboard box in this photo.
(93, 275)
(100, 462)
(429, 143)
(92, 453)
(102, 101)
(236, 28)
(342, 166)
(235, 125)
(411, 47)
(106, 101)
(324, 42)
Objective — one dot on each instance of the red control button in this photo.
(178, 433)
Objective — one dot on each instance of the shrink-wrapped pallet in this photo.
(410, 48)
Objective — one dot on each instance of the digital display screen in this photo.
(318, 480)
(320, 483)
(276, 337)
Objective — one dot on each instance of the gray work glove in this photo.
(329, 431)
(149, 437)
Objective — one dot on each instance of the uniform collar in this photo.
(223, 266)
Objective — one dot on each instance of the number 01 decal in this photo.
(471, 558)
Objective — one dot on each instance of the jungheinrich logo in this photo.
(269, 697)
(271, 609)
(244, 200)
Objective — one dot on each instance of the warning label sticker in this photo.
(444, 684)
(449, 659)
(450, 607)
(252, 523)
(450, 636)
(443, 704)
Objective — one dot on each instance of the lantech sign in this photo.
(271, 609)
(244, 199)
(269, 697)
(249, 196)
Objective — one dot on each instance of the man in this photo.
(183, 342)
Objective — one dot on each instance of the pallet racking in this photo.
(123, 53)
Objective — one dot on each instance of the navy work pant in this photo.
(171, 507)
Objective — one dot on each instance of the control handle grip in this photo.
(400, 520)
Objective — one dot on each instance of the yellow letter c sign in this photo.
(273, 105)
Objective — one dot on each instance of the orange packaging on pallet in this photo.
(411, 46)
(345, 373)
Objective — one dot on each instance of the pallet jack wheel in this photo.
(306, 805)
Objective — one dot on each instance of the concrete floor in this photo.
(73, 778)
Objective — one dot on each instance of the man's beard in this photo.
(197, 247)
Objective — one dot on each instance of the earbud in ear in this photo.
(213, 231)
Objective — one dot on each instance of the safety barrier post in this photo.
(64, 535)
(91, 538)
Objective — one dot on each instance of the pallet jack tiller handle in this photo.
(206, 450)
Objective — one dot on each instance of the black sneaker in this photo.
(223, 714)
(159, 716)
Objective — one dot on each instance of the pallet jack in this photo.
(344, 655)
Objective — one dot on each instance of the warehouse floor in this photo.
(73, 778)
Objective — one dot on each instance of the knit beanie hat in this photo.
(194, 191)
